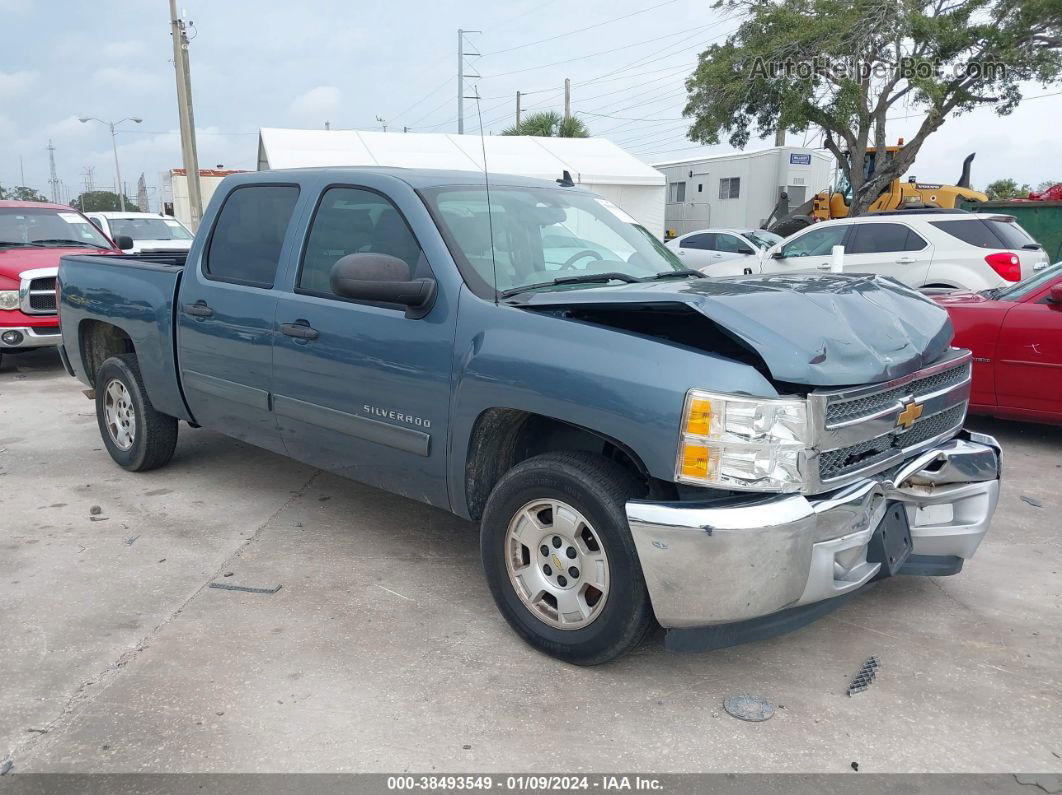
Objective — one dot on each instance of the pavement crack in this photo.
(89, 690)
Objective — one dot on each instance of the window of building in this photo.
(729, 187)
(677, 192)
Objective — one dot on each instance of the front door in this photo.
(226, 314)
(361, 389)
(1029, 356)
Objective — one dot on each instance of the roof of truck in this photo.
(414, 177)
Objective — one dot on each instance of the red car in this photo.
(1015, 334)
(33, 236)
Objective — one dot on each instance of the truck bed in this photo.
(136, 294)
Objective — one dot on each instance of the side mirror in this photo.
(744, 250)
(124, 242)
(381, 278)
(1054, 297)
(777, 254)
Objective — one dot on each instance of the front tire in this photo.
(136, 435)
(560, 560)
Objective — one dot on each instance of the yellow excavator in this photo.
(899, 195)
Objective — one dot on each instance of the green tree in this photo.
(845, 66)
(101, 201)
(1006, 189)
(549, 124)
(22, 194)
(1047, 183)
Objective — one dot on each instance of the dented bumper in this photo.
(742, 558)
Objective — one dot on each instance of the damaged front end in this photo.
(739, 569)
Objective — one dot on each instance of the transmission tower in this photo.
(53, 180)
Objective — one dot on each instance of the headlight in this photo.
(734, 442)
(8, 299)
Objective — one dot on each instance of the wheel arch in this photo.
(503, 437)
(99, 341)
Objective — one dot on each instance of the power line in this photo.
(581, 30)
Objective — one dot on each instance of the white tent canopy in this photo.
(596, 164)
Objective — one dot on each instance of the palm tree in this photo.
(549, 124)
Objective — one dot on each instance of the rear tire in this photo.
(593, 607)
(137, 436)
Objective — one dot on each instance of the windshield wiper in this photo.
(61, 241)
(682, 273)
(10, 243)
(587, 278)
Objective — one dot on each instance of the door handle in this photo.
(905, 260)
(824, 266)
(198, 309)
(300, 330)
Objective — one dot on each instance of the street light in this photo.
(114, 146)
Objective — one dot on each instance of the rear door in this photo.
(360, 388)
(888, 249)
(695, 249)
(1029, 356)
(226, 313)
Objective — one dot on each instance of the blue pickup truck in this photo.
(640, 444)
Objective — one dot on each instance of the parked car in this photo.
(33, 236)
(974, 251)
(150, 233)
(707, 249)
(1015, 334)
(637, 441)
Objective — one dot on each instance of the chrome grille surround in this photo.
(36, 291)
(857, 431)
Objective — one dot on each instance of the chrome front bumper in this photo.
(740, 558)
(32, 336)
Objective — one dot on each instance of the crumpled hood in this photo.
(815, 329)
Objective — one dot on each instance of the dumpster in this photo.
(1042, 220)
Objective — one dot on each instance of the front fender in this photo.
(620, 385)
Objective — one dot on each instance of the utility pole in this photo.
(118, 187)
(53, 180)
(567, 98)
(517, 108)
(461, 77)
(383, 123)
(328, 125)
(184, 111)
(22, 171)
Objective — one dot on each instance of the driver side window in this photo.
(816, 243)
(356, 221)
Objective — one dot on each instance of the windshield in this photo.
(1030, 285)
(47, 228)
(149, 228)
(542, 234)
(763, 238)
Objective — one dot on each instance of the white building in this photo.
(740, 189)
(596, 164)
(175, 190)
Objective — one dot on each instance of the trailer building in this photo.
(740, 189)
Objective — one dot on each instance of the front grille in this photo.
(837, 463)
(847, 410)
(39, 296)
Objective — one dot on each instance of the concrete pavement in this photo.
(383, 650)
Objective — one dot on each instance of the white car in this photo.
(921, 248)
(151, 233)
(722, 252)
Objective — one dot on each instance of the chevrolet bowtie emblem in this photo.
(910, 414)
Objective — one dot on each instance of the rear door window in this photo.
(704, 241)
(249, 234)
(883, 238)
(1012, 235)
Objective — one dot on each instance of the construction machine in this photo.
(899, 195)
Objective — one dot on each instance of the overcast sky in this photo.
(284, 64)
